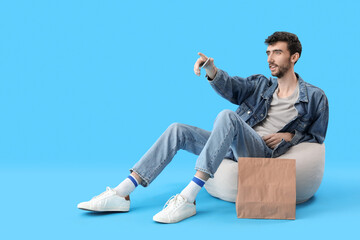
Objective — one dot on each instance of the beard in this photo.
(282, 70)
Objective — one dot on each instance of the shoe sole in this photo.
(159, 221)
(107, 210)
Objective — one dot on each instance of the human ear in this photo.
(295, 57)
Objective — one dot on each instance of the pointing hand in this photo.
(206, 63)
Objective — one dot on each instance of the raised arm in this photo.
(235, 89)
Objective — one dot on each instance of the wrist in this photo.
(289, 136)
(211, 72)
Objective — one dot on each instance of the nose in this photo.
(270, 59)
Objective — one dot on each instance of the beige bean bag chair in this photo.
(310, 162)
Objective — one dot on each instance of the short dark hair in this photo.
(294, 45)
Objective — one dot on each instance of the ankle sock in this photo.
(126, 186)
(190, 191)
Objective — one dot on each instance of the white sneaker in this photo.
(176, 209)
(107, 201)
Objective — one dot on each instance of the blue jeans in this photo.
(229, 131)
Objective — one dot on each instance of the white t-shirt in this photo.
(281, 112)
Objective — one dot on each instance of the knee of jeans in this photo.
(176, 131)
(227, 115)
(176, 127)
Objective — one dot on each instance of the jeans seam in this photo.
(163, 161)
(212, 158)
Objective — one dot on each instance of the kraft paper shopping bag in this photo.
(266, 188)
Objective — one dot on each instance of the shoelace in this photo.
(108, 189)
(168, 201)
(171, 200)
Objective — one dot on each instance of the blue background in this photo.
(86, 87)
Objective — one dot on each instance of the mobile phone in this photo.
(205, 62)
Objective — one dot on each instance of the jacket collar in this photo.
(303, 96)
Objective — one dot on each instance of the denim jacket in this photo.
(254, 94)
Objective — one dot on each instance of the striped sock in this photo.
(191, 190)
(126, 186)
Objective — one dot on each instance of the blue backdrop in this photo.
(92, 84)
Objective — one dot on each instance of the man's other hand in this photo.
(274, 139)
(210, 68)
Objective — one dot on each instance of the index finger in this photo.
(202, 55)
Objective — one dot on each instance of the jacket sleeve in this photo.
(234, 89)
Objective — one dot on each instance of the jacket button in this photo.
(249, 112)
(262, 115)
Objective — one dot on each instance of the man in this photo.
(273, 115)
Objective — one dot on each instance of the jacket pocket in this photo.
(244, 111)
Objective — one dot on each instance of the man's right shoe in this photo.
(107, 201)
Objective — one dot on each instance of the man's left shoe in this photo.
(176, 209)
